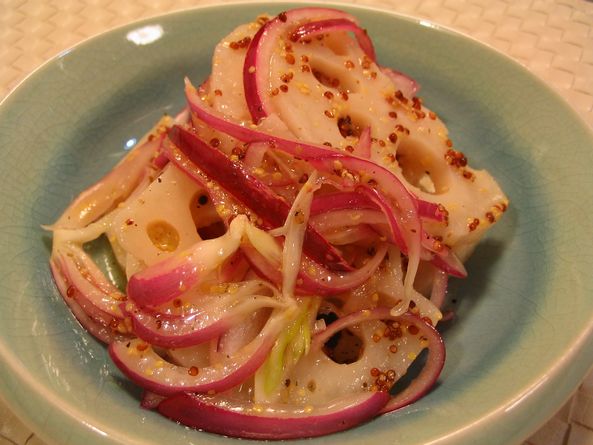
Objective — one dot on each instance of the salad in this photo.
(287, 238)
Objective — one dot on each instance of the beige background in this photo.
(552, 38)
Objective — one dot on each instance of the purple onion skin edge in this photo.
(193, 411)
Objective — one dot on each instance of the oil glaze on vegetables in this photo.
(287, 238)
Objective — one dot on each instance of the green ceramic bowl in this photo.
(522, 339)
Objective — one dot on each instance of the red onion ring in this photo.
(345, 200)
(138, 361)
(240, 419)
(316, 280)
(402, 82)
(333, 25)
(96, 295)
(272, 209)
(394, 225)
(325, 159)
(95, 327)
(322, 158)
(195, 327)
(260, 50)
(166, 280)
(431, 210)
(446, 260)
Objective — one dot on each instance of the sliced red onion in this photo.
(197, 325)
(271, 208)
(401, 210)
(161, 159)
(313, 279)
(350, 200)
(446, 260)
(141, 364)
(442, 257)
(218, 196)
(379, 200)
(320, 157)
(254, 156)
(431, 210)
(402, 82)
(96, 328)
(386, 185)
(277, 422)
(232, 177)
(242, 132)
(97, 296)
(381, 313)
(256, 68)
(333, 25)
(365, 197)
(318, 281)
(265, 267)
(233, 269)
(166, 280)
(101, 197)
(327, 160)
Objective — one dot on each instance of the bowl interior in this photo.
(523, 315)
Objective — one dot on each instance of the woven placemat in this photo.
(553, 39)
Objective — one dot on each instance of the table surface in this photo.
(551, 38)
